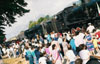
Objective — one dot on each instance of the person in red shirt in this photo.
(17, 41)
(73, 31)
(97, 34)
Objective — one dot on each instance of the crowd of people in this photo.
(78, 46)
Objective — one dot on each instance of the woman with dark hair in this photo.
(84, 53)
(55, 55)
(89, 42)
(70, 56)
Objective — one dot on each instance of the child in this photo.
(95, 41)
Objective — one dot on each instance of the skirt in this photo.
(90, 46)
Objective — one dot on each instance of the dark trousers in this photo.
(62, 52)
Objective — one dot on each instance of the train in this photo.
(77, 15)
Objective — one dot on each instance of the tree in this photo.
(8, 10)
(47, 17)
(40, 20)
(32, 23)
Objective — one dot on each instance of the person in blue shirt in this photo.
(33, 55)
(28, 55)
(49, 38)
(37, 53)
(72, 44)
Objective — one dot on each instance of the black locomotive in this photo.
(71, 17)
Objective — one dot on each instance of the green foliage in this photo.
(8, 10)
(32, 23)
(41, 19)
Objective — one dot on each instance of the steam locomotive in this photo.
(77, 15)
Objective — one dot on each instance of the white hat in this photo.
(89, 23)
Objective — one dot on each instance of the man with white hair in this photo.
(90, 27)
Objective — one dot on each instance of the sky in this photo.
(38, 8)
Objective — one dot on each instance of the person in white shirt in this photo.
(12, 51)
(70, 56)
(52, 34)
(4, 50)
(8, 52)
(42, 59)
(84, 54)
(60, 40)
(79, 38)
(90, 27)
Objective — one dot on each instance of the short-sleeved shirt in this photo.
(84, 55)
(71, 56)
(34, 57)
(42, 60)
